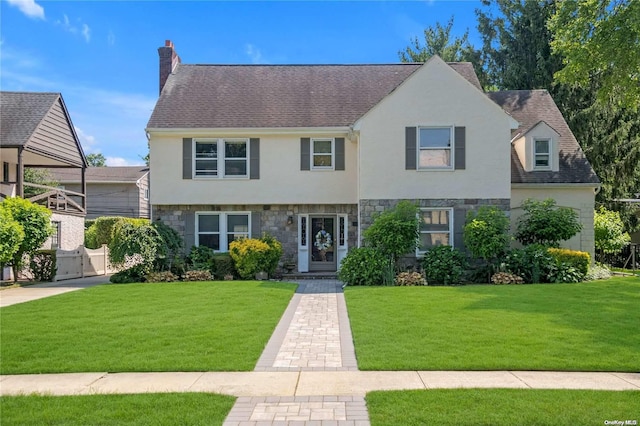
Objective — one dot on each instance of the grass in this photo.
(571, 327)
(145, 409)
(199, 326)
(497, 407)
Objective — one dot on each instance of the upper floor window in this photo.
(542, 154)
(221, 158)
(436, 228)
(146, 194)
(5, 171)
(434, 147)
(323, 154)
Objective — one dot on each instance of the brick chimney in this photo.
(169, 59)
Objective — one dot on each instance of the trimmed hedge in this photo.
(578, 259)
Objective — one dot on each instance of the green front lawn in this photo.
(573, 327)
(144, 409)
(199, 326)
(497, 407)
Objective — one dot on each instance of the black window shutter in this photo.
(256, 225)
(187, 158)
(460, 147)
(339, 153)
(254, 161)
(459, 219)
(189, 231)
(305, 154)
(410, 148)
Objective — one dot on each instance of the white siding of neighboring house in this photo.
(71, 231)
(581, 199)
(435, 95)
(281, 180)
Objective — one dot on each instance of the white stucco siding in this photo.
(281, 180)
(71, 231)
(435, 95)
(581, 199)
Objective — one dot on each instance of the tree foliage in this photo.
(544, 223)
(39, 177)
(486, 233)
(96, 160)
(395, 231)
(134, 243)
(609, 231)
(35, 221)
(11, 236)
(600, 39)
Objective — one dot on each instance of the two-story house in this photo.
(295, 150)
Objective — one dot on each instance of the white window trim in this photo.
(451, 149)
(420, 253)
(333, 154)
(222, 227)
(146, 194)
(220, 158)
(549, 154)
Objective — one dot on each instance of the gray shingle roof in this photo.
(20, 114)
(100, 174)
(251, 96)
(529, 107)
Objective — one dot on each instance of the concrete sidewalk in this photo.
(12, 296)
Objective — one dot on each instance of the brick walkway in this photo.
(313, 335)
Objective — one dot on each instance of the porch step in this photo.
(310, 276)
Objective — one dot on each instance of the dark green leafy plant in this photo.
(135, 274)
(170, 246)
(486, 233)
(132, 243)
(444, 265)
(201, 259)
(224, 265)
(43, 265)
(363, 266)
(533, 263)
(544, 223)
(394, 232)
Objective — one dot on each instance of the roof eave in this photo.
(246, 131)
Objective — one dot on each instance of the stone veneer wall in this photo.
(273, 219)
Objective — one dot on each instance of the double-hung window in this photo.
(435, 147)
(322, 154)
(218, 230)
(436, 228)
(221, 158)
(542, 154)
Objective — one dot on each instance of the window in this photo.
(55, 237)
(146, 194)
(542, 154)
(217, 230)
(322, 154)
(5, 171)
(221, 158)
(436, 228)
(434, 147)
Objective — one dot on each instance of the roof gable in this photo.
(101, 174)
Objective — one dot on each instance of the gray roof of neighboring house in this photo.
(246, 96)
(21, 113)
(100, 174)
(529, 107)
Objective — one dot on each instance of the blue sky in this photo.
(102, 55)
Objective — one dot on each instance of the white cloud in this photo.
(29, 8)
(120, 162)
(88, 142)
(86, 32)
(254, 53)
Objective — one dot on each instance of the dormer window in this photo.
(542, 154)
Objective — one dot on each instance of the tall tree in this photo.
(439, 41)
(600, 39)
(96, 160)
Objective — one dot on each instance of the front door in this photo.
(323, 253)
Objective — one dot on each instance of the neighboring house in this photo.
(37, 131)
(111, 191)
(294, 150)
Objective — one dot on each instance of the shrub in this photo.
(598, 272)
(43, 265)
(394, 232)
(563, 272)
(135, 274)
(533, 263)
(410, 279)
(130, 240)
(609, 232)
(169, 248)
(251, 255)
(544, 223)
(203, 275)
(11, 236)
(579, 260)
(161, 277)
(104, 227)
(90, 238)
(363, 266)
(506, 278)
(486, 233)
(444, 265)
(201, 258)
(224, 265)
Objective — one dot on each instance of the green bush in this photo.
(274, 254)
(91, 238)
(533, 263)
(251, 255)
(363, 266)
(224, 265)
(131, 241)
(394, 232)
(135, 274)
(201, 259)
(486, 233)
(444, 265)
(170, 246)
(579, 260)
(104, 227)
(609, 233)
(563, 272)
(43, 265)
(544, 223)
